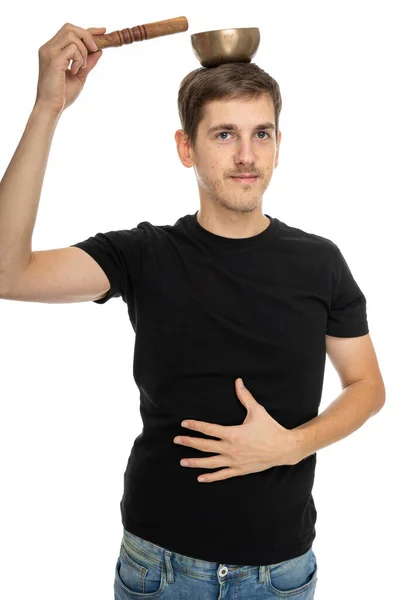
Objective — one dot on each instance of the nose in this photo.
(245, 153)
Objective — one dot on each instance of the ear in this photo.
(184, 149)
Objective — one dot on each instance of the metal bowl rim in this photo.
(226, 30)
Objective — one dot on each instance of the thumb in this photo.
(240, 383)
(244, 395)
(92, 60)
(242, 391)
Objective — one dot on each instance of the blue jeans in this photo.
(147, 571)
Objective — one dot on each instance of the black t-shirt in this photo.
(207, 309)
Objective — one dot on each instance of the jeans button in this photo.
(223, 571)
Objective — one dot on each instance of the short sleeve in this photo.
(347, 316)
(121, 256)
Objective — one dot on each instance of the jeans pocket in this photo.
(137, 575)
(293, 577)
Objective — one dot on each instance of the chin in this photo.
(242, 204)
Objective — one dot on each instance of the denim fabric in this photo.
(147, 571)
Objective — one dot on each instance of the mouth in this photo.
(245, 179)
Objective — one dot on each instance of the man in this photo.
(225, 294)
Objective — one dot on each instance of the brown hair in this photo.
(227, 81)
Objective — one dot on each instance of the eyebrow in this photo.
(233, 127)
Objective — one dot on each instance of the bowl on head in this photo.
(213, 48)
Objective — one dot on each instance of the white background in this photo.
(69, 404)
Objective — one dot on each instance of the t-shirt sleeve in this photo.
(121, 255)
(347, 316)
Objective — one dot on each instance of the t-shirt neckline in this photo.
(222, 241)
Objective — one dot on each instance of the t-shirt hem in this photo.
(101, 260)
(232, 556)
(348, 332)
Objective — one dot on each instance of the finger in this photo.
(92, 61)
(213, 429)
(218, 476)
(85, 51)
(80, 57)
(213, 462)
(86, 35)
(97, 31)
(201, 444)
(71, 33)
(71, 52)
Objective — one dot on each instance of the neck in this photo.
(233, 224)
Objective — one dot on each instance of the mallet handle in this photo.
(142, 32)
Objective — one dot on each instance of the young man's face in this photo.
(222, 153)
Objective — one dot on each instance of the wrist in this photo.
(295, 446)
(44, 112)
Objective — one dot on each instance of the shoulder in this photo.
(308, 242)
(165, 232)
(152, 232)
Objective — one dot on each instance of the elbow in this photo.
(380, 397)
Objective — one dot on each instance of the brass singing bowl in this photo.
(213, 48)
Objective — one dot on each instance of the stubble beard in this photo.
(243, 200)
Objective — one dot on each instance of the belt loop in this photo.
(261, 574)
(169, 568)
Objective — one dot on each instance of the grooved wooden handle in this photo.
(141, 32)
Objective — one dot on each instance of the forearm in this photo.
(351, 409)
(20, 190)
